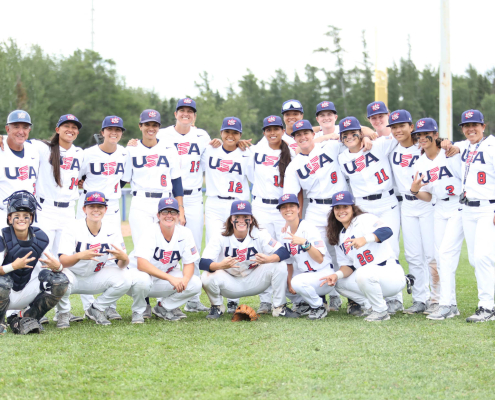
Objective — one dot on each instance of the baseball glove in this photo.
(244, 313)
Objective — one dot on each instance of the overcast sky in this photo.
(164, 45)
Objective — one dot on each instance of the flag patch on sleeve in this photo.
(123, 246)
(193, 250)
(319, 243)
(272, 242)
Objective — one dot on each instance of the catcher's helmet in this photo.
(22, 201)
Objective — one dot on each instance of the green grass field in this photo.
(339, 357)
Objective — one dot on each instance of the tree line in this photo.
(88, 86)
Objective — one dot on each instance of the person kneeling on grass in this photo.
(244, 261)
(158, 271)
(309, 260)
(84, 253)
(369, 270)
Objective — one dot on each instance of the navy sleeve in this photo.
(204, 264)
(383, 233)
(122, 184)
(282, 253)
(177, 189)
(352, 267)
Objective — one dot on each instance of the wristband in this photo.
(339, 274)
(414, 193)
(7, 268)
(306, 246)
(370, 238)
(60, 268)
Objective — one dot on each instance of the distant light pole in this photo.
(445, 106)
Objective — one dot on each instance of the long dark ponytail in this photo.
(284, 161)
(54, 145)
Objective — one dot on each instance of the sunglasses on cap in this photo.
(291, 104)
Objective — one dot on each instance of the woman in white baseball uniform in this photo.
(416, 217)
(308, 263)
(440, 176)
(478, 214)
(94, 259)
(158, 271)
(369, 270)
(244, 260)
(370, 177)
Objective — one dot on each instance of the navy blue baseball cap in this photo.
(377, 107)
(240, 207)
(187, 102)
(168, 202)
(399, 117)
(150, 115)
(343, 198)
(472, 116)
(286, 199)
(426, 125)
(113, 120)
(349, 124)
(19, 116)
(292, 105)
(325, 106)
(272, 120)
(232, 123)
(95, 198)
(301, 125)
(69, 118)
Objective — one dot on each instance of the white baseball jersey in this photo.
(226, 172)
(77, 238)
(369, 172)
(166, 255)
(320, 132)
(71, 161)
(18, 173)
(480, 182)
(104, 170)
(189, 147)
(264, 171)
(259, 241)
(286, 138)
(300, 259)
(370, 253)
(403, 162)
(152, 169)
(442, 175)
(318, 173)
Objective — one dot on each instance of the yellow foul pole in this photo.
(381, 76)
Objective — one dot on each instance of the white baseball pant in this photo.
(268, 218)
(388, 210)
(53, 220)
(144, 285)
(216, 213)
(307, 285)
(193, 206)
(448, 244)
(479, 231)
(419, 249)
(369, 285)
(294, 298)
(221, 283)
(112, 283)
(21, 299)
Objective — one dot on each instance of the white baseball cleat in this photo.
(481, 315)
(195, 306)
(318, 313)
(378, 316)
(443, 312)
(112, 314)
(137, 318)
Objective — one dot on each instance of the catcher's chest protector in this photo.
(16, 248)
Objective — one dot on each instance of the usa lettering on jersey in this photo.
(187, 148)
(267, 161)
(360, 163)
(106, 169)
(404, 160)
(314, 165)
(150, 161)
(69, 163)
(225, 166)
(472, 156)
(166, 257)
(241, 254)
(436, 173)
(20, 173)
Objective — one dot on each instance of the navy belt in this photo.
(321, 201)
(57, 203)
(378, 196)
(226, 198)
(399, 198)
(385, 262)
(477, 203)
(446, 199)
(270, 201)
(189, 192)
(150, 194)
(410, 197)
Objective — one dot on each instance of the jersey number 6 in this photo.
(365, 258)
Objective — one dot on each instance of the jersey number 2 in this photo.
(365, 258)
(238, 187)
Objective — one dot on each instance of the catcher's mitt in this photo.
(244, 313)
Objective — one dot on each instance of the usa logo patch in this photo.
(395, 116)
(347, 122)
(115, 120)
(152, 114)
(21, 115)
(420, 124)
(169, 201)
(299, 124)
(325, 104)
(469, 114)
(187, 101)
(231, 122)
(375, 106)
(70, 116)
(271, 119)
(339, 197)
(285, 197)
(241, 206)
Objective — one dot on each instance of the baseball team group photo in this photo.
(317, 238)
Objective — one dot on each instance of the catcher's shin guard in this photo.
(53, 286)
(6, 284)
(23, 326)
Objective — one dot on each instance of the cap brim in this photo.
(169, 208)
(230, 129)
(78, 124)
(376, 113)
(86, 203)
(280, 125)
(187, 107)
(150, 120)
(288, 202)
(335, 111)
